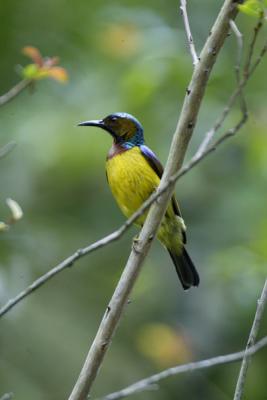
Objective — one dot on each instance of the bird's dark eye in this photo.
(113, 118)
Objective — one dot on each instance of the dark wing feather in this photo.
(156, 165)
(152, 160)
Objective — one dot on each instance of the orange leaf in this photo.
(34, 54)
(58, 73)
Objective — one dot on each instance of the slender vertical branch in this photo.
(182, 135)
(239, 39)
(183, 8)
(239, 390)
(252, 44)
(237, 92)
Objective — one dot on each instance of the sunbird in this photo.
(133, 173)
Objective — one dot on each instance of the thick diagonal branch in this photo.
(183, 133)
(239, 390)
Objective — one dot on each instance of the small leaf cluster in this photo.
(42, 67)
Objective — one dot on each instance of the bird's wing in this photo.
(156, 165)
(152, 160)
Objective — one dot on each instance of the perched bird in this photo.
(133, 173)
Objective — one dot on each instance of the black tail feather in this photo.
(185, 268)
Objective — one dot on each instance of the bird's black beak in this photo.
(94, 122)
(101, 124)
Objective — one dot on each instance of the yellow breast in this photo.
(131, 180)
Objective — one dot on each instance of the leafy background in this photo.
(125, 56)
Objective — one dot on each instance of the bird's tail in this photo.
(185, 268)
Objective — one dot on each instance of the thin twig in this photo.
(247, 72)
(145, 384)
(14, 92)
(239, 92)
(7, 148)
(239, 39)
(219, 122)
(181, 138)
(239, 390)
(200, 154)
(68, 262)
(252, 44)
(258, 60)
(183, 9)
(210, 134)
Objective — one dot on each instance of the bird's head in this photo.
(125, 129)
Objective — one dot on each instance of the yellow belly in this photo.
(131, 180)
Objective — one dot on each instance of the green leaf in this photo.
(253, 8)
(31, 71)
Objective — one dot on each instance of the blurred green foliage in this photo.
(126, 56)
(253, 8)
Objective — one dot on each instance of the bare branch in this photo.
(252, 44)
(183, 8)
(258, 60)
(14, 92)
(239, 390)
(7, 148)
(239, 39)
(218, 124)
(181, 138)
(201, 154)
(147, 383)
(68, 262)
(210, 134)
